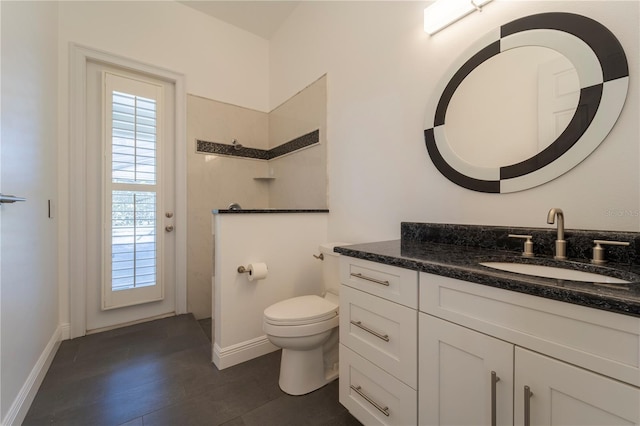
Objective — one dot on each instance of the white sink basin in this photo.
(552, 272)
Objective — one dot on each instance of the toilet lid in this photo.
(301, 310)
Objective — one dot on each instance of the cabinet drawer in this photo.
(601, 341)
(372, 395)
(383, 332)
(390, 282)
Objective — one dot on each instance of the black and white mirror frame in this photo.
(603, 74)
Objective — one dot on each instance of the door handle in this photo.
(527, 405)
(10, 199)
(494, 380)
(168, 228)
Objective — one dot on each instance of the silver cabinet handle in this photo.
(9, 199)
(380, 336)
(383, 410)
(527, 406)
(494, 379)
(373, 280)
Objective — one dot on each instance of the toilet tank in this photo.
(331, 267)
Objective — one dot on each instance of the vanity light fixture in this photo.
(443, 13)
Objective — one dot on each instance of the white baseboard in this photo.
(241, 352)
(65, 331)
(18, 410)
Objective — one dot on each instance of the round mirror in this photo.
(528, 103)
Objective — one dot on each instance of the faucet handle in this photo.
(528, 244)
(598, 250)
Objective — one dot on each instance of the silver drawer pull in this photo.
(373, 280)
(358, 324)
(383, 410)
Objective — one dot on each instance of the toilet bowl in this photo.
(306, 328)
(301, 326)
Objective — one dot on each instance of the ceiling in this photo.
(262, 18)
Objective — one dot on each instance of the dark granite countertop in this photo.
(462, 262)
(245, 211)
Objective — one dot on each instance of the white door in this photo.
(465, 377)
(130, 197)
(562, 394)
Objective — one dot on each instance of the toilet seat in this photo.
(297, 331)
(300, 310)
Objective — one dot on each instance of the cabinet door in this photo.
(563, 394)
(456, 383)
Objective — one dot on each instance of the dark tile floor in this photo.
(206, 324)
(160, 373)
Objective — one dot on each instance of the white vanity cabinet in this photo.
(570, 365)
(378, 342)
(430, 350)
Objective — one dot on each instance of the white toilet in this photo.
(306, 328)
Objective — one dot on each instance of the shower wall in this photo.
(300, 177)
(214, 182)
(297, 180)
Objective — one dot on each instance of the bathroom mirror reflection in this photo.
(520, 100)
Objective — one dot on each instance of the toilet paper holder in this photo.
(257, 271)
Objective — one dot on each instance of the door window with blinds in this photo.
(132, 269)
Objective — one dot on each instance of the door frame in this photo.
(78, 243)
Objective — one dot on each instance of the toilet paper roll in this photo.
(257, 271)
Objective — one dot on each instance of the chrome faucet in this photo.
(561, 244)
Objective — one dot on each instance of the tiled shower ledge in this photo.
(304, 141)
